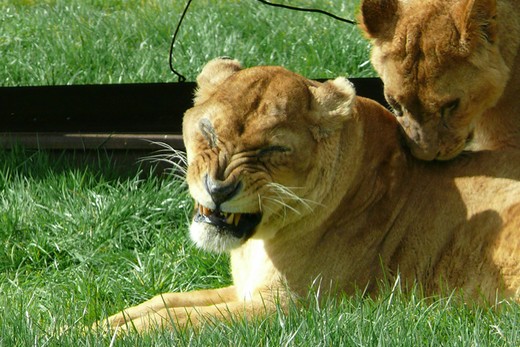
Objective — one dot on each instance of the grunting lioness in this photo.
(303, 182)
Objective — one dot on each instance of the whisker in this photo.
(260, 206)
(277, 212)
(283, 204)
(279, 199)
(167, 154)
(287, 193)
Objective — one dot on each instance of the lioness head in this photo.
(441, 67)
(257, 142)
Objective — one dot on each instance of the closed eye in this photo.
(272, 149)
(447, 110)
(450, 107)
(396, 107)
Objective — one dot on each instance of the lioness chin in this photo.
(451, 70)
(303, 181)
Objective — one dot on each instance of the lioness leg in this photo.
(194, 316)
(164, 301)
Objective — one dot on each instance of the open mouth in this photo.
(239, 225)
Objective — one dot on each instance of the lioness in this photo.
(303, 182)
(451, 70)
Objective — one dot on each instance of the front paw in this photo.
(122, 323)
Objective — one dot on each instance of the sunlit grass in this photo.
(77, 244)
(82, 42)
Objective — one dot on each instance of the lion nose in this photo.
(221, 191)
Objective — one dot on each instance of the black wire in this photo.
(307, 10)
(182, 78)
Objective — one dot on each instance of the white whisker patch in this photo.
(210, 239)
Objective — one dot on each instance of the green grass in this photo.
(117, 41)
(79, 242)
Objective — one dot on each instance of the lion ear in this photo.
(378, 18)
(331, 106)
(212, 75)
(476, 19)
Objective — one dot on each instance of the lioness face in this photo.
(244, 146)
(253, 159)
(441, 68)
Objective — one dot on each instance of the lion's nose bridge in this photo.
(217, 164)
(414, 108)
(412, 128)
(219, 185)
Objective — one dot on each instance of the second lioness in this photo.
(451, 70)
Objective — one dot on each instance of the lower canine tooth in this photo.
(229, 219)
(237, 218)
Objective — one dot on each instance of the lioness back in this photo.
(451, 71)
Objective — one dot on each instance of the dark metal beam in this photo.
(113, 116)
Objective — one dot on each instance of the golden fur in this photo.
(303, 182)
(451, 70)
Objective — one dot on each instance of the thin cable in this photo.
(182, 78)
(308, 10)
(179, 75)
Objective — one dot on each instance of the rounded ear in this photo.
(378, 18)
(476, 20)
(332, 106)
(212, 75)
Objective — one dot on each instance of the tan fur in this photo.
(451, 70)
(344, 206)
